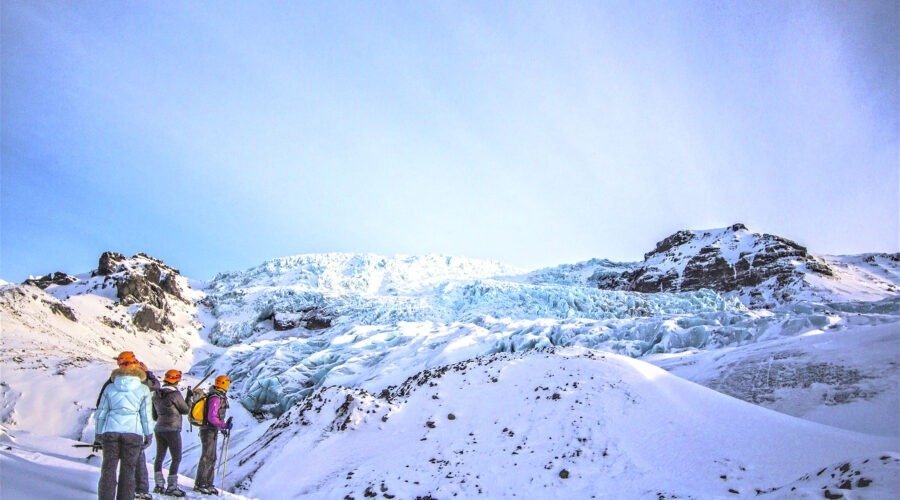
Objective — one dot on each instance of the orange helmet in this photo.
(222, 382)
(126, 358)
(173, 376)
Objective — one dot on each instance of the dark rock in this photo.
(675, 240)
(564, 474)
(311, 319)
(715, 267)
(63, 310)
(151, 318)
(829, 494)
(153, 273)
(110, 263)
(134, 289)
(170, 285)
(57, 278)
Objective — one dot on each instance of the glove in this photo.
(228, 424)
(97, 446)
(147, 440)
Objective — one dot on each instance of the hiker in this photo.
(123, 428)
(213, 421)
(168, 407)
(141, 478)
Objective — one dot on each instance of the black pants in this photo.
(168, 441)
(141, 478)
(120, 451)
(206, 470)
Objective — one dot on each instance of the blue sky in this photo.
(215, 135)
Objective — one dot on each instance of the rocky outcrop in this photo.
(142, 279)
(63, 310)
(134, 289)
(57, 278)
(152, 318)
(110, 263)
(724, 260)
(311, 319)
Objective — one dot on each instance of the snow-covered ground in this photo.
(844, 378)
(564, 423)
(415, 340)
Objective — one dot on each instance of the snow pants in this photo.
(206, 469)
(120, 451)
(141, 477)
(168, 441)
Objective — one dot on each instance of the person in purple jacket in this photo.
(214, 422)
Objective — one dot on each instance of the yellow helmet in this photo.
(222, 382)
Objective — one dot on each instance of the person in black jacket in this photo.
(168, 407)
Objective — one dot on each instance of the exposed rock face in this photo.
(142, 279)
(151, 318)
(57, 278)
(311, 319)
(110, 262)
(170, 285)
(134, 289)
(725, 260)
(63, 310)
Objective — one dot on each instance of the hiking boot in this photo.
(143, 496)
(206, 490)
(174, 491)
(159, 489)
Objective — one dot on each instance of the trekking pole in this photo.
(225, 443)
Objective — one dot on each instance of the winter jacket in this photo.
(125, 404)
(216, 406)
(151, 381)
(169, 406)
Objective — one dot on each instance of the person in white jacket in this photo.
(123, 428)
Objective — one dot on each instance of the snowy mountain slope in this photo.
(762, 270)
(863, 277)
(843, 378)
(566, 423)
(286, 329)
(61, 339)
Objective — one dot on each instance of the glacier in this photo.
(392, 317)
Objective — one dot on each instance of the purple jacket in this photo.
(216, 406)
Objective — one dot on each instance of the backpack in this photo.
(197, 416)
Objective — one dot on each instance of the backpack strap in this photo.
(100, 396)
